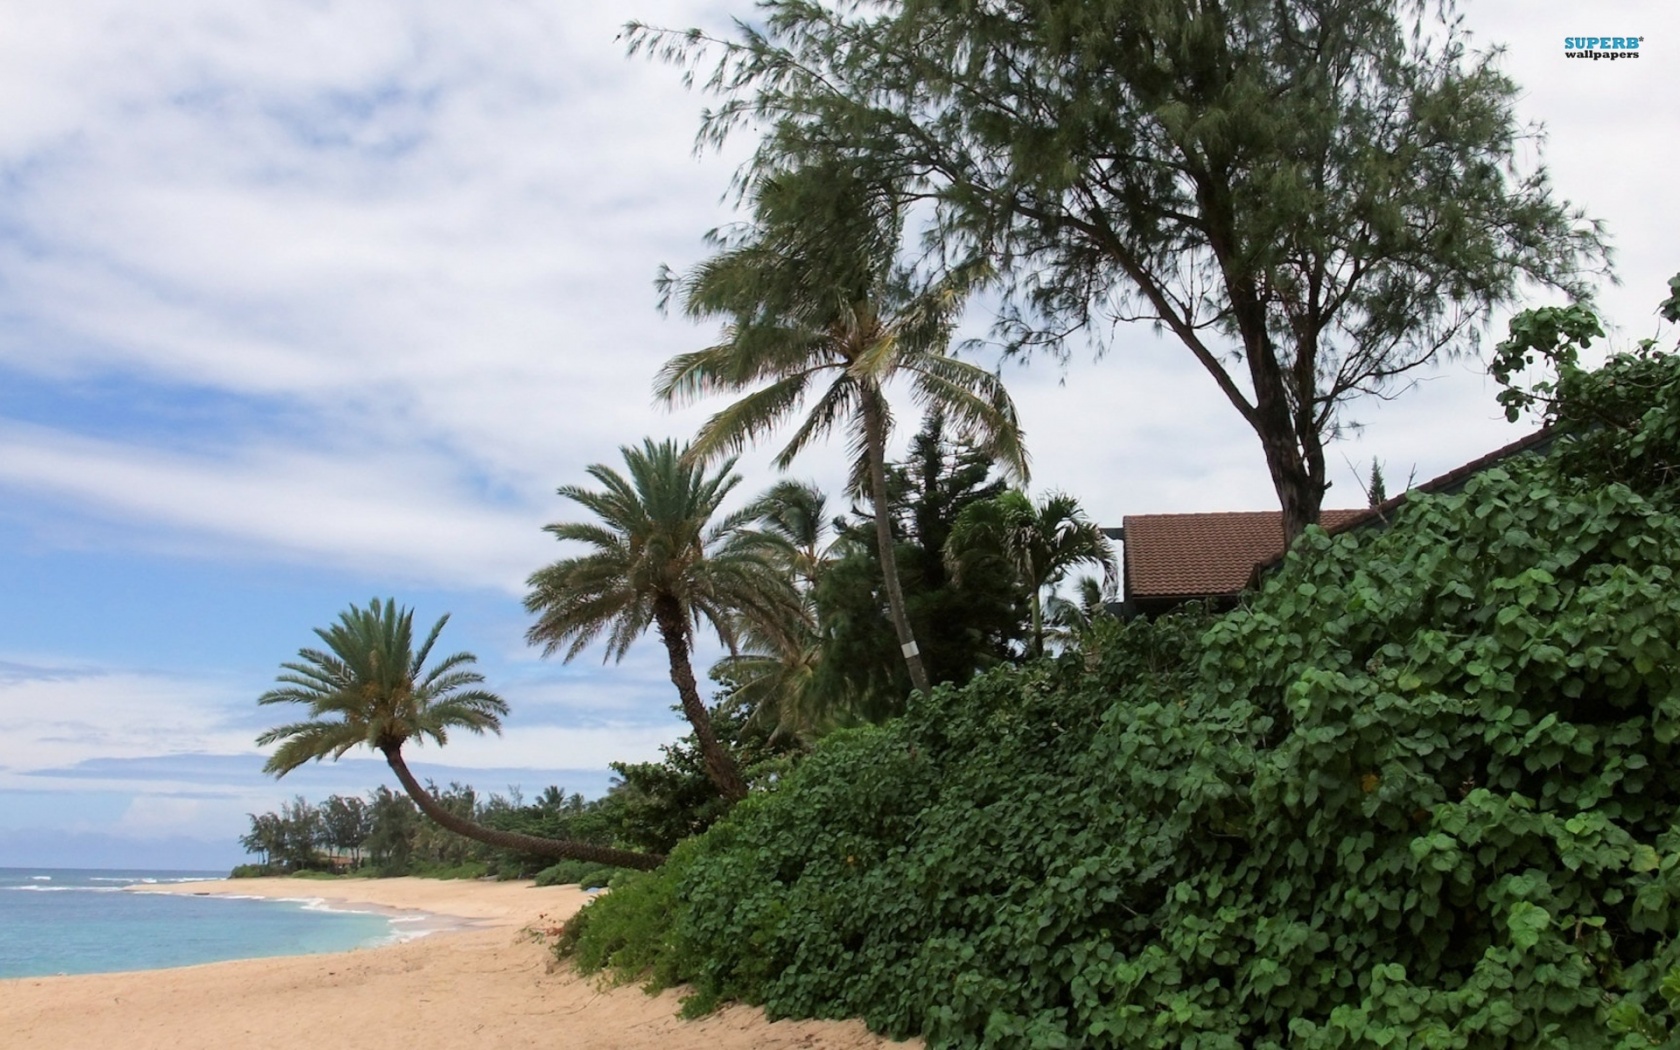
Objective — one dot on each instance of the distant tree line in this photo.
(384, 834)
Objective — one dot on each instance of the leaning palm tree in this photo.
(814, 292)
(371, 687)
(659, 560)
(1041, 542)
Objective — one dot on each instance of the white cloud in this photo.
(404, 513)
(60, 715)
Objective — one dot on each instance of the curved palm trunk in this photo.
(720, 766)
(558, 848)
(875, 437)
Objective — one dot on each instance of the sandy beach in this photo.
(487, 983)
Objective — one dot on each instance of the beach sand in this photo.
(489, 984)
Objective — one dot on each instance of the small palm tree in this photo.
(1040, 542)
(371, 687)
(814, 292)
(659, 560)
(776, 675)
(1068, 620)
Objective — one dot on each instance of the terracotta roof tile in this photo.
(1206, 555)
(1195, 555)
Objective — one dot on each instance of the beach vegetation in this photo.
(659, 556)
(371, 687)
(576, 873)
(397, 840)
(1418, 789)
(962, 625)
(655, 805)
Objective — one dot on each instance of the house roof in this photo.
(1185, 556)
(1197, 555)
(1451, 481)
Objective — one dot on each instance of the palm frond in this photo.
(371, 687)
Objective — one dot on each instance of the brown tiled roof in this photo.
(1184, 556)
(1197, 555)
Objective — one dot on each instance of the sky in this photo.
(307, 302)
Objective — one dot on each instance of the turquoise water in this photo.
(55, 920)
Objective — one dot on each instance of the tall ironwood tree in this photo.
(1315, 197)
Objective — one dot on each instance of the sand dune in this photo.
(490, 985)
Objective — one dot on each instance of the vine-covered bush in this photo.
(1420, 790)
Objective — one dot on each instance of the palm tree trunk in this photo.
(874, 429)
(1037, 606)
(720, 766)
(562, 849)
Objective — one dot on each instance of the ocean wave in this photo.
(150, 881)
(65, 889)
(41, 878)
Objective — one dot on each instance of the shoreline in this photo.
(487, 983)
(420, 914)
(422, 907)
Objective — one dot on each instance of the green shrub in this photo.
(631, 939)
(576, 872)
(468, 869)
(1420, 790)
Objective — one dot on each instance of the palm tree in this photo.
(814, 291)
(775, 675)
(1068, 620)
(1040, 542)
(792, 515)
(659, 560)
(371, 687)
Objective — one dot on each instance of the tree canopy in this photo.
(1316, 198)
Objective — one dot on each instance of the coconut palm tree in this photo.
(793, 516)
(1041, 542)
(775, 675)
(1068, 620)
(659, 560)
(814, 292)
(371, 687)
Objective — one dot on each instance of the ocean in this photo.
(62, 921)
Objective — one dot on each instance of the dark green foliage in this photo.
(1420, 790)
(655, 805)
(393, 823)
(389, 836)
(1620, 422)
(961, 627)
